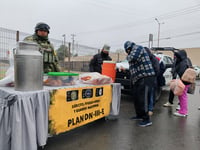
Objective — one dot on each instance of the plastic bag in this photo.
(177, 86)
(189, 75)
(8, 80)
(94, 78)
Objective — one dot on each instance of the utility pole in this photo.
(150, 40)
(73, 35)
(17, 36)
(64, 49)
(69, 55)
(158, 29)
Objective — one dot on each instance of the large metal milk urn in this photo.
(28, 66)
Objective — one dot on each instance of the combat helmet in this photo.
(42, 26)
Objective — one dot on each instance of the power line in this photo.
(168, 38)
(180, 12)
(175, 36)
(173, 14)
(184, 34)
(105, 4)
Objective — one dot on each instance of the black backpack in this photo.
(154, 61)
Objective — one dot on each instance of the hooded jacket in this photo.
(97, 61)
(140, 65)
(181, 63)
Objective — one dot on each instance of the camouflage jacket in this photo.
(49, 56)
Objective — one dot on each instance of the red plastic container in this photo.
(109, 69)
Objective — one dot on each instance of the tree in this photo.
(62, 52)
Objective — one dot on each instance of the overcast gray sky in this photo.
(95, 22)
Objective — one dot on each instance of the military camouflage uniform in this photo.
(46, 48)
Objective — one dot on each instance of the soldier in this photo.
(45, 47)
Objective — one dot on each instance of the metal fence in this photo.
(7, 41)
(9, 38)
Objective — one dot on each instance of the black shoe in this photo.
(145, 123)
(136, 118)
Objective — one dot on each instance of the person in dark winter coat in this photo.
(97, 60)
(181, 65)
(174, 75)
(152, 90)
(160, 77)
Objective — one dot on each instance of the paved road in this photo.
(168, 132)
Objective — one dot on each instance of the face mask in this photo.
(104, 54)
(128, 50)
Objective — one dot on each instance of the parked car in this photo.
(197, 69)
(168, 61)
(123, 75)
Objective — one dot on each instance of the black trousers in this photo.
(171, 97)
(141, 95)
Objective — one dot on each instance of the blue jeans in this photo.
(141, 90)
(151, 99)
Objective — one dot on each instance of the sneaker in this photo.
(150, 113)
(178, 107)
(145, 123)
(167, 104)
(136, 118)
(179, 115)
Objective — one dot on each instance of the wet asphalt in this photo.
(167, 132)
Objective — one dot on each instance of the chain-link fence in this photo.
(9, 38)
(7, 42)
